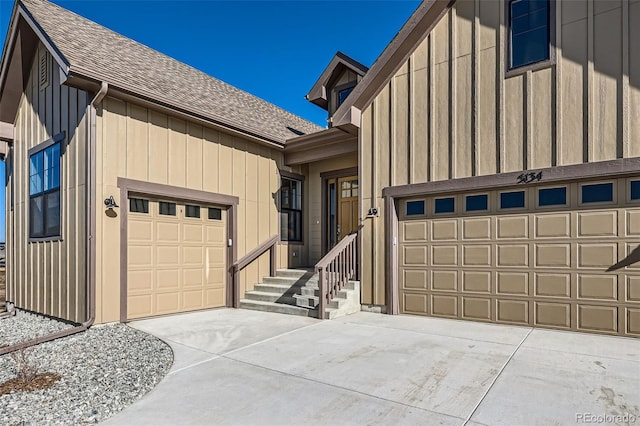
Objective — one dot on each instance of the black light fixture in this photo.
(110, 202)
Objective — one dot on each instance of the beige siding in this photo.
(49, 276)
(143, 144)
(450, 111)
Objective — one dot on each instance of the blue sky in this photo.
(273, 49)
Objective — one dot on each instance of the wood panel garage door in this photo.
(560, 257)
(176, 257)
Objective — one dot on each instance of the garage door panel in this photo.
(444, 306)
(415, 279)
(552, 285)
(603, 287)
(476, 255)
(513, 227)
(540, 265)
(476, 308)
(476, 281)
(632, 317)
(167, 232)
(553, 225)
(175, 264)
(633, 223)
(512, 283)
(513, 255)
(444, 281)
(553, 256)
(598, 224)
(512, 311)
(476, 229)
(597, 318)
(415, 303)
(597, 255)
(553, 314)
(444, 230)
(414, 231)
(444, 255)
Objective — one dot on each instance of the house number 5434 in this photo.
(530, 177)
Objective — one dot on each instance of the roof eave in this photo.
(318, 93)
(413, 32)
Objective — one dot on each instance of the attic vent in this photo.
(43, 69)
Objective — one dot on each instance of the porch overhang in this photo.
(328, 143)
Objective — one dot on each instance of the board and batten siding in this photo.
(450, 112)
(49, 276)
(143, 144)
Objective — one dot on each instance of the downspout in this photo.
(91, 230)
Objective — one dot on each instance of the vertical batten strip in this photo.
(431, 158)
(500, 59)
(475, 88)
(528, 149)
(453, 138)
(410, 138)
(624, 150)
(588, 153)
(556, 91)
(393, 94)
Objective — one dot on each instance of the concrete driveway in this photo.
(248, 367)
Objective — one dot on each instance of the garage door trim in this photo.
(129, 187)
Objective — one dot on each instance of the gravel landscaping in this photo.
(102, 370)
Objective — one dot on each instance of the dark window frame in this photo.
(197, 209)
(342, 88)
(172, 208)
(476, 196)
(446, 199)
(510, 70)
(292, 213)
(503, 200)
(632, 191)
(218, 213)
(421, 212)
(132, 203)
(591, 201)
(552, 205)
(45, 193)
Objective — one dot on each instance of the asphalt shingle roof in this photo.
(90, 48)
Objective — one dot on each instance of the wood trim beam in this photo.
(6, 131)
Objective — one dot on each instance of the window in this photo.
(474, 203)
(167, 209)
(342, 95)
(552, 197)
(291, 210)
(512, 200)
(445, 205)
(192, 211)
(44, 192)
(215, 214)
(138, 205)
(415, 208)
(349, 189)
(529, 31)
(597, 193)
(635, 189)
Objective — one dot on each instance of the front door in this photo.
(342, 208)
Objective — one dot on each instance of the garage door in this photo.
(176, 257)
(563, 256)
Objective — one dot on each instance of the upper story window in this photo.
(529, 26)
(342, 94)
(44, 192)
(291, 209)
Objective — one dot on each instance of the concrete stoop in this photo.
(295, 292)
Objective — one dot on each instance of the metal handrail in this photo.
(334, 270)
(247, 259)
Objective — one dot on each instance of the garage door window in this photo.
(138, 205)
(597, 193)
(552, 197)
(512, 200)
(635, 189)
(445, 205)
(167, 209)
(476, 203)
(415, 208)
(215, 214)
(192, 211)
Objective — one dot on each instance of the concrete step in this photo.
(279, 308)
(293, 273)
(268, 296)
(277, 288)
(350, 285)
(288, 280)
(312, 301)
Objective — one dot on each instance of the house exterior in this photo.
(488, 162)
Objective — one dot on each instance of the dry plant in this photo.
(26, 370)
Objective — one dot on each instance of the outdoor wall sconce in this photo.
(110, 202)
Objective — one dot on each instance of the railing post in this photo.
(272, 260)
(322, 298)
(236, 288)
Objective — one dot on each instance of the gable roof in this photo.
(318, 93)
(92, 51)
(412, 33)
